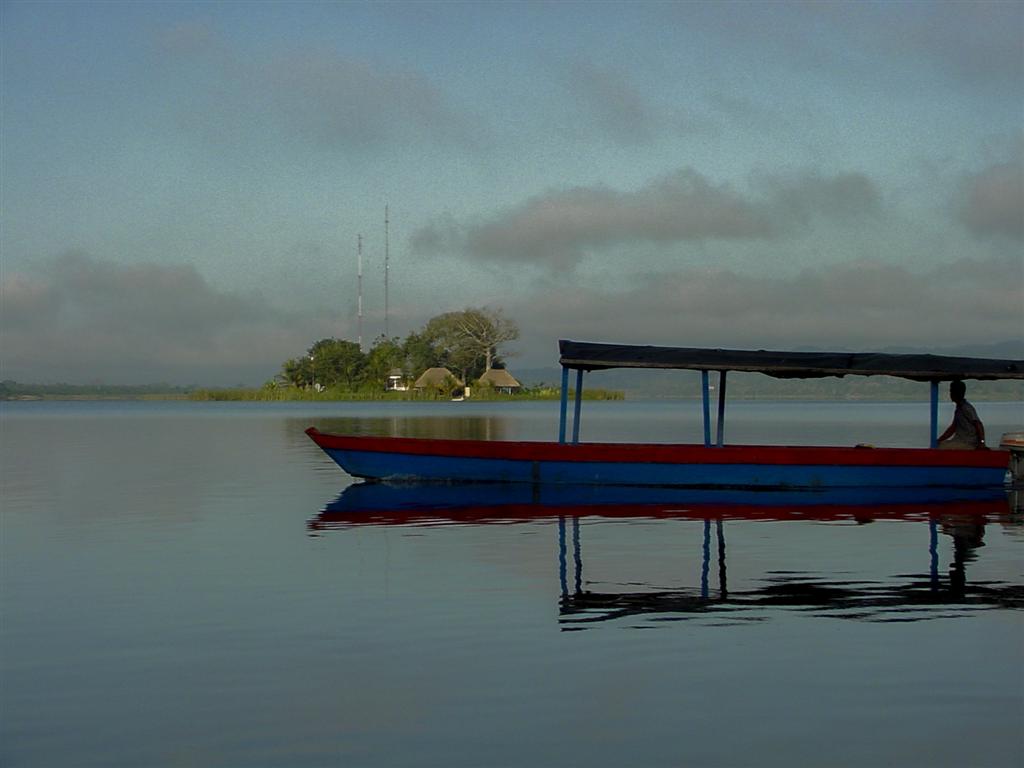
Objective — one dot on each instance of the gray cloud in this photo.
(613, 104)
(80, 318)
(841, 197)
(606, 103)
(993, 201)
(334, 100)
(976, 42)
(318, 96)
(559, 227)
(857, 305)
(744, 113)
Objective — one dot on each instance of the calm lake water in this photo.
(187, 584)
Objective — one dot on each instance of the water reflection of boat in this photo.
(910, 596)
(712, 464)
(406, 504)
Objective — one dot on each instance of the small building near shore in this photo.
(500, 380)
(439, 378)
(396, 381)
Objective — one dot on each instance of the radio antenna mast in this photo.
(359, 283)
(387, 268)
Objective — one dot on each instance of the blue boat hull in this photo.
(398, 467)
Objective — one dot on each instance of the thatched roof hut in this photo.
(501, 380)
(436, 377)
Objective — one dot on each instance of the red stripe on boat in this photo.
(654, 453)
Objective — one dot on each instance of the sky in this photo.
(183, 183)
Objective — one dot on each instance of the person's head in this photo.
(957, 390)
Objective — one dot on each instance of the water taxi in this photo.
(712, 464)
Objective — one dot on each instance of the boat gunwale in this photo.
(663, 453)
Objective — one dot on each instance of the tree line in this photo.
(467, 343)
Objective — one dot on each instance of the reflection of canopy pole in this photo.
(561, 556)
(878, 600)
(577, 554)
(563, 560)
(721, 560)
(705, 560)
(933, 549)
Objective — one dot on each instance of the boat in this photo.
(713, 464)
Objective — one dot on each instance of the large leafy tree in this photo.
(336, 362)
(298, 371)
(467, 342)
(422, 352)
(385, 355)
(485, 331)
(470, 340)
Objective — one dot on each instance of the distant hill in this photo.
(1002, 350)
(13, 390)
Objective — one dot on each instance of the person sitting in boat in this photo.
(966, 431)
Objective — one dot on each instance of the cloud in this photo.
(993, 201)
(559, 227)
(612, 104)
(80, 318)
(863, 305)
(798, 199)
(319, 96)
(334, 100)
(606, 104)
(975, 42)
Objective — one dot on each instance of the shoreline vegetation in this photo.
(977, 392)
(483, 394)
(13, 391)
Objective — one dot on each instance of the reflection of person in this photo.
(968, 534)
(966, 431)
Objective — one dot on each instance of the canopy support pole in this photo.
(565, 405)
(706, 397)
(576, 406)
(721, 408)
(933, 442)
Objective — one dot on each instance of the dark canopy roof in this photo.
(785, 365)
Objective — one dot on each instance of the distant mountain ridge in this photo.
(650, 383)
(1001, 350)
